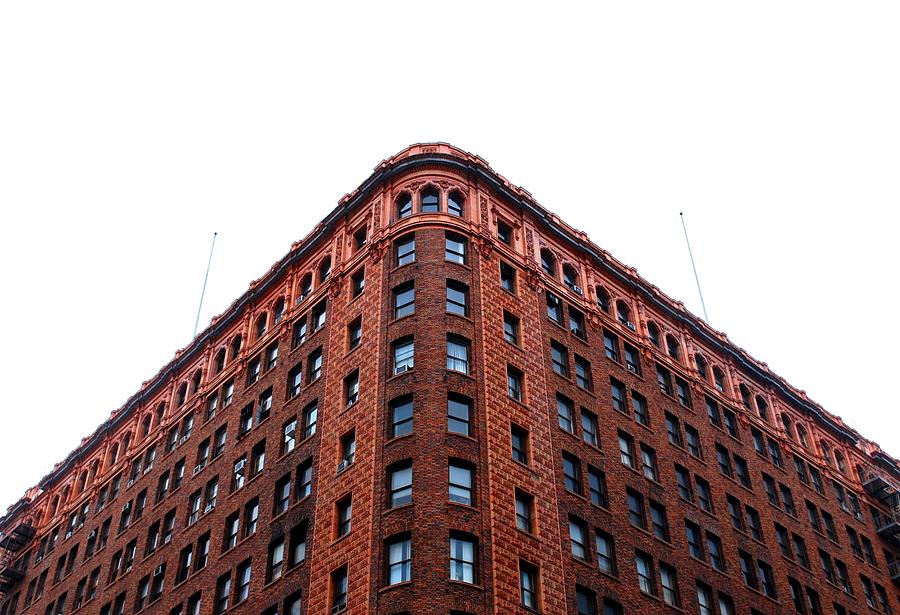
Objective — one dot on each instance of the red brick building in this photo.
(446, 400)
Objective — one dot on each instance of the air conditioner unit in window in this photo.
(131, 482)
(69, 534)
(343, 465)
(167, 539)
(126, 506)
(92, 535)
(578, 290)
(199, 467)
(400, 369)
(159, 570)
(631, 325)
(240, 465)
(208, 507)
(632, 368)
(184, 438)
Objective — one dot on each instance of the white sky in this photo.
(129, 132)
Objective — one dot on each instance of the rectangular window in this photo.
(294, 381)
(319, 315)
(659, 520)
(251, 516)
(571, 473)
(507, 277)
(664, 379)
(704, 494)
(304, 479)
(457, 298)
(399, 560)
(589, 428)
(289, 436)
(578, 538)
(404, 300)
(714, 548)
(339, 584)
(639, 403)
(282, 495)
(576, 323)
(299, 333)
(583, 376)
(272, 357)
(314, 364)
(462, 558)
(504, 233)
(673, 429)
(644, 566)
(459, 414)
(597, 487)
(343, 516)
(636, 515)
(357, 283)
(524, 511)
(461, 484)
(510, 328)
(458, 354)
(669, 581)
(564, 411)
(223, 591)
(354, 333)
(632, 359)
(351, 388)
(683, 480)
(298, 544)
(648, 462)
(455, 248)
(529, 585)
(606, 553)
(692, 438)
(554, 308)
(519, 441)
(310, 418)
(626, 450)
(559, 355)
(401, 416)
(404, 355)
(695, 546)
(406, 250)
(400, 484)
(514, 378)
(618, 396)
(275, 566)
(611, 345)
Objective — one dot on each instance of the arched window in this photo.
(219, 362)
(548, 263)
(570, 277)
(745, 396)
(653, 333)
(702, 369)
(54, 506)
(145, 426)
(95, 468)
(235, 347)
(260, 327)
(802, 437)
(763, 408)
(305, 287)
(325, 269)
(431, 200)
(404, 205)
(126, 441)
(82, 481)
(602, 299)
(788, 425)
(65, 495)
(114, 454)
(841, 463)
(719, 379)
(673, 348)
(456, 203)
(182, 394)
(826, 452)
(623, 313)
(278, 312)
(195, 381)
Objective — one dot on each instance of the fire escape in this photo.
(10, 545)
(887, 492)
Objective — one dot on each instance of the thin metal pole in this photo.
(694, 266)
(205, 278)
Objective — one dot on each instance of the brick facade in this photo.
(642, 425)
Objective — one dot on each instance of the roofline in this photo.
(463, 161)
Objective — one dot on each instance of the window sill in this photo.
(393, 586)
